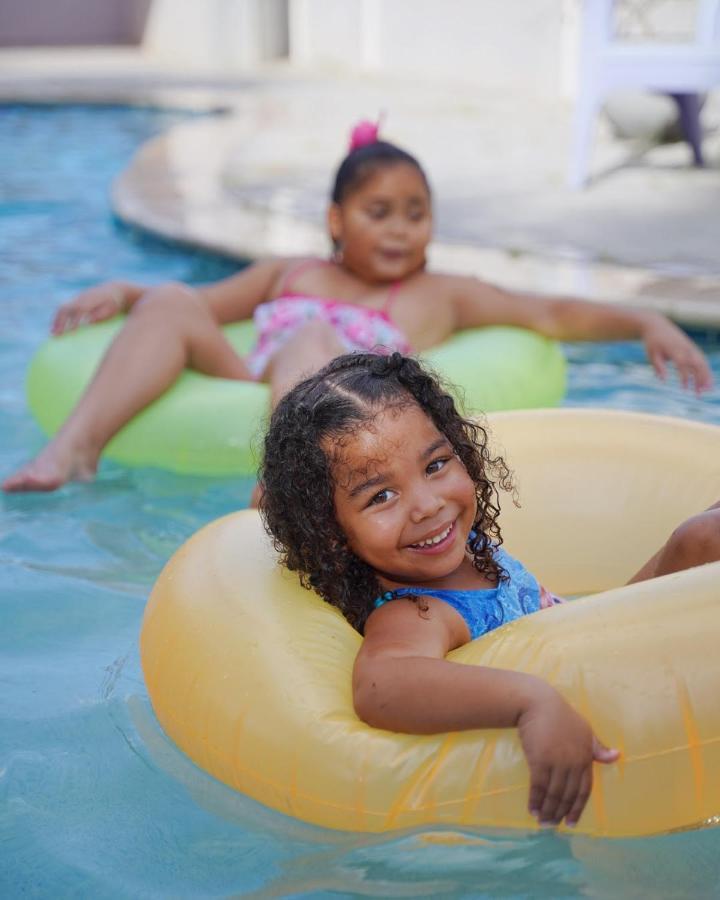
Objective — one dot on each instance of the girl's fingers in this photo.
(687, 372)
(572, 786)
(702, 375)
(72, 321)
(698, 369)
(77, 317)
(96, 314)
(658, 363)
(581, 797)
(60, 321)
(71, 316)
(684, 374)
(553, 796)
(539, 780)
(604, 754)
(692, 369)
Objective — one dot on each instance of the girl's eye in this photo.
(381, 497)
(377, 212)
(436, 465)
(416, 215)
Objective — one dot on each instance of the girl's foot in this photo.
(52, 468)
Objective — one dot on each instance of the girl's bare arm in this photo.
(230, 300)
(402, 682)
(235, 298)
(95, 304)
(477, 304)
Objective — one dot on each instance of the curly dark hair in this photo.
(299, 485)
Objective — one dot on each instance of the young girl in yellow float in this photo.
(374, 293)
(385, 501)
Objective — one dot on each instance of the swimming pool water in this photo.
(94, 800)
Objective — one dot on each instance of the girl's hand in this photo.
(560, 748)
(666, 343)
(103, 301)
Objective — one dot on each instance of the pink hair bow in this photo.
(364, 133)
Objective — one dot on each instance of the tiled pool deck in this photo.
(253, 180)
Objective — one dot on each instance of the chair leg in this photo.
(689, 109)
(586, 110)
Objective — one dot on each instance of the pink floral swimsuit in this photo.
(359, 328)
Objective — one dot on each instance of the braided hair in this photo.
(298, 477)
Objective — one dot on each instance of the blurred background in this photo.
(553, 132)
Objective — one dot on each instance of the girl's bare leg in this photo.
(168, 329)
(308, 350)
(694, 543)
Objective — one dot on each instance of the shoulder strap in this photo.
(295, 271)
(402, 592)
(391, 295)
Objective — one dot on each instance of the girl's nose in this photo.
(426, 504)
(397, 225)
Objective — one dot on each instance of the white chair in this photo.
(680, 69)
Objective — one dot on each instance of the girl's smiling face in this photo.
(385, 225)
(403, 499)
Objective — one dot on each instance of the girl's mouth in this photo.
(438, 543)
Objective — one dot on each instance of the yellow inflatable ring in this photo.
(250, 675)
(207, 426)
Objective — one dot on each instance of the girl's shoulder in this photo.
(460, 281)
(443, 283)
(428, 283)
(288, 268)
(419, 620)
(432, 276)
(292, 262)
(288, 265)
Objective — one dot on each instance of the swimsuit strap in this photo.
(391, 295)
(449, 596)
(296, 271)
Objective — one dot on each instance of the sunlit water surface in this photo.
(94, 800)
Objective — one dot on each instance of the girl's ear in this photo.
(334, 222)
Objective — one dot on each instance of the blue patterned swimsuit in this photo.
(489, 608)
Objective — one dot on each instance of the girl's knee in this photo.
(697, 540)
(170, 300)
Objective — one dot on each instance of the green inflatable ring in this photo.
(209, 426)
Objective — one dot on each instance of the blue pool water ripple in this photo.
(95, 801)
